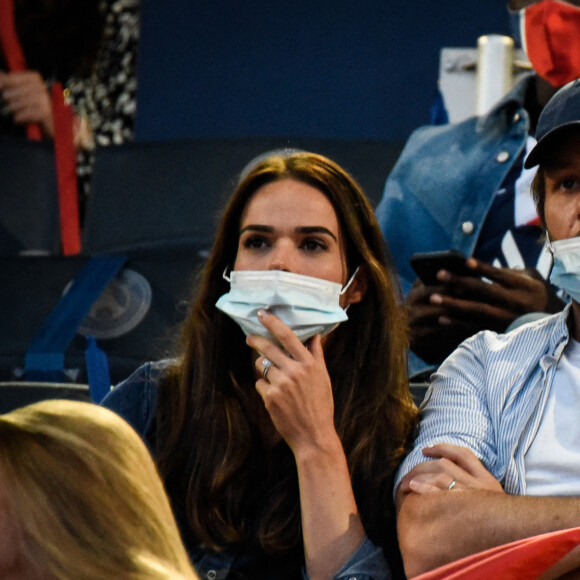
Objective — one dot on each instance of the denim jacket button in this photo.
(517, 117)
(502, 157)
(211, 575)
(467, 228)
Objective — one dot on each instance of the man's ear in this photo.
(358, 287)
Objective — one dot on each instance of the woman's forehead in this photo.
(289, 198)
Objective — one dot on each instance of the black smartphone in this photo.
(427, 264)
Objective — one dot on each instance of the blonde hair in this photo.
(85, 496)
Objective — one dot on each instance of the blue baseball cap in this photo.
(560, 114)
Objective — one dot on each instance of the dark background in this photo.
(338, 69)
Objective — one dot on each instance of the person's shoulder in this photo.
(147, 376)
(538, 335)
(135, 398)
(535, 324)
(428, 132)
(440, 139)
(474, 125)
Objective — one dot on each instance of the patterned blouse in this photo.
(106, 100)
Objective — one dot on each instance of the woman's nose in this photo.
(281, 258)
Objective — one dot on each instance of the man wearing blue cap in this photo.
(497, 457)
(462, 186)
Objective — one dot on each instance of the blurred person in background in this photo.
(80, 498)
(463, 186)
(90, 47)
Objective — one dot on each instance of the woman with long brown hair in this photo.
(278, 450)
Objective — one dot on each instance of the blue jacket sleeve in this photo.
(367, 563)
(135, 398)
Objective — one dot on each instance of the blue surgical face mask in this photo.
(566, 268)
(307, 305)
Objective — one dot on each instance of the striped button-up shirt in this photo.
(489, 396)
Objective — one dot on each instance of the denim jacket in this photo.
(135, 400)
(443, 185)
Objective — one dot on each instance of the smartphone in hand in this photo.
(427, 264)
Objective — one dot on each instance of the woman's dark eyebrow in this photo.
(299, 230)
(257, 228)
(315, 230)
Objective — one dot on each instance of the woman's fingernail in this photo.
(436, 298)
(262, 314)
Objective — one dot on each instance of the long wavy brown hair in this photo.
(234, 489)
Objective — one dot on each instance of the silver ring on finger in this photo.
(452, 485)
(266, 364)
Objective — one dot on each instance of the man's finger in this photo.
(461, 456)
(477, 311)
(423, 487)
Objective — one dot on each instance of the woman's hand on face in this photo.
(296, 392)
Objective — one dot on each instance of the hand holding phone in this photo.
(427, 264)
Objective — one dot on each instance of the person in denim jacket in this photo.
(279, 455)
(463, 186)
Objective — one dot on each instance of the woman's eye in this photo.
(314, 245)
(254, 242)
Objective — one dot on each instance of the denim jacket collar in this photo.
(512, 101)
